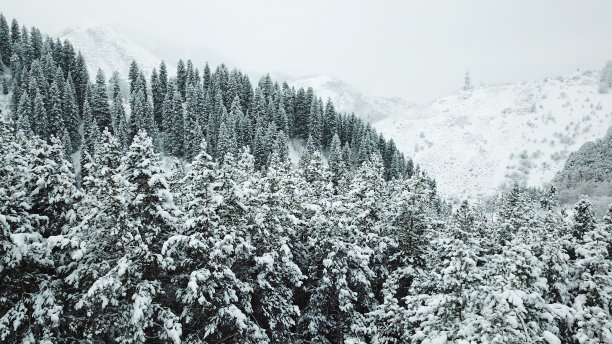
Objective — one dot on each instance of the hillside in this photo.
(473, 141)
(349, 99)
(477, 140)
(588, 171)
(108, 50)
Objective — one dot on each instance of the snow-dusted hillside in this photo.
(348, 99)
(108, 50)
(474, 141)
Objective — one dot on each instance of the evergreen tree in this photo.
(70, 108)
(56, 120)
(336, 163)
(99, 103)
(181, 79)
(5, 41)
(15, 33)
(174, 138)
(141, 115)
(91, 134)
(330, 127)
(193, 125)
(593, 277)
(584, 218)
(25, 115)
(227, 141)
(158, 98)
(40, 122)
(80, 77)
(133, 74)
(467, 84)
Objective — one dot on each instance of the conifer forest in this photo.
(173, 206)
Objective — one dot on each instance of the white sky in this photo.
(415, 50)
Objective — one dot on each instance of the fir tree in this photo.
(174, 139)
(25, 114)
(91, 134)
(80, 77)
(56, 120)
(181, 79)
(133, 74)
(5, 41)
(40, 121)
(70, 109)
(99, 103)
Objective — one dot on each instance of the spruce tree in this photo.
(181, 79)
(174, 134)
(227, 141)
(158, 98)
(5, 41)
(193, 122)
(99, 103)
(15, 33)
(40, 121)
(56, 119)
(336, 163)
(80, 78)
(91, 134)
(133, 75)
(25, 114)
(330, 126)
(70, 108)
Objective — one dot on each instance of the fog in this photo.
(415, 50)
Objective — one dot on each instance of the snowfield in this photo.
(477, 140)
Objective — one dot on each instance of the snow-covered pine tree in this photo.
(72, 117)
(174, 130)
(91, 135)
(114, 265)
(99, 103)
(40, 120)
(592, 277)
(36, 193)
(25, 115)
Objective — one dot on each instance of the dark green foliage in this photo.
(99, 103)
(70, 108)
(5, 41)
(181, 78)
(80, 78)
(174, 138)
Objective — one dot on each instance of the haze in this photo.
(414, 50)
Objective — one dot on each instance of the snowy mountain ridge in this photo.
(472, 142)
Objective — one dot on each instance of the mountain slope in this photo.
(588, 171)
(347, 98)
(474, 141)
(108, 50)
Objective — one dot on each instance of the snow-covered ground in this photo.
(474, 141)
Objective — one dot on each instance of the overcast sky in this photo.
(415, 50)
